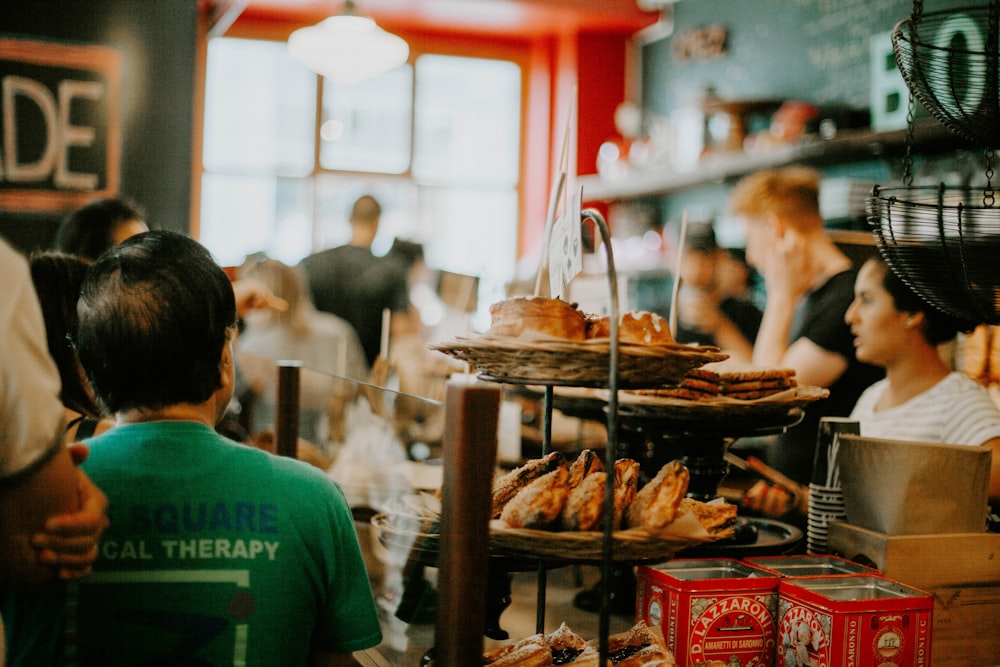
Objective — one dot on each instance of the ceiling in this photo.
(509, 18)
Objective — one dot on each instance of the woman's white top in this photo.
(955, 411)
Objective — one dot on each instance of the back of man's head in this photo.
(366, 210)
(155, 313)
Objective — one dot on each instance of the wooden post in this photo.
(286, 419)
(469, 451)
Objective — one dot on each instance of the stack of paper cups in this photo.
(826, 498)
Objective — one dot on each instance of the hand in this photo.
(699, 310)
(775, 501)
(788, 269)
(252, 295)
(70, 541)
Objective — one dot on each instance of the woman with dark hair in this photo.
(57, 278)
(99, 225)
(921, 397)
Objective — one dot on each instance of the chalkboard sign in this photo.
(61, 130)
(814, 50)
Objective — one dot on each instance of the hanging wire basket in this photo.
(949, 61)
(945, 244)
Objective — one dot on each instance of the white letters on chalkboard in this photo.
(52, 161)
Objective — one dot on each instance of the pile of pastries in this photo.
(638, 647)
(536, 316)
(550, 493)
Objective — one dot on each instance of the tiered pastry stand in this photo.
(612, 376)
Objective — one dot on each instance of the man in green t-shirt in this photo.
(216, 553)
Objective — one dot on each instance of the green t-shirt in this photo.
(216, 554)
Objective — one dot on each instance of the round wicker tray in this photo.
(633, 545)
(733, 416)
(418, 539)
(582, 363)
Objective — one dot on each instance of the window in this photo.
(437, 143)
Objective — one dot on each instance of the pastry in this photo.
(585, 504)
(586, 462)
(539, 504)
(534, 317)
(529, 652)
(639, 327)
(718, 518)
(569, 648)
(655, 506)
(626, 488)
(508, 485)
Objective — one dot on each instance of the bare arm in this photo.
(25, 505)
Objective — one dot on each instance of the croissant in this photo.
(507, 486)
(540, 503)
(586, 463)
(655, 506)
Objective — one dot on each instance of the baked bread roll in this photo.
(655, 506)
(508, 485)
(539, 504)
(639, 327)
(536, 316)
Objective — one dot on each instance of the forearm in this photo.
(24, 509)
(322, 659)
(775, 327)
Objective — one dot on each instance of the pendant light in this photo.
(347, 48)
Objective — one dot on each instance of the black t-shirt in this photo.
(820, 318)
(744, 315)
(352, 283)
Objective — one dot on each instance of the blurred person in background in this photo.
(349, 281)
(90, 230)
(809, 284)
(326, 345)
(52, 514)
(922, 398)
(57, 278)
(706, 315)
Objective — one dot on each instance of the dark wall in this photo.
(158, 42)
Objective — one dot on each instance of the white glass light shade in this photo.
(347, 49)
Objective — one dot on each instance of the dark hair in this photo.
(89, 230)
(939, 327)
(155, 314)
(57, 277)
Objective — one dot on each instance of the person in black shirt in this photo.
(810, 284)
(350, 282)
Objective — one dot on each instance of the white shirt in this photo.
(31, 414)
(955, 411)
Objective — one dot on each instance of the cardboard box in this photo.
(914, 488)
(961, 571)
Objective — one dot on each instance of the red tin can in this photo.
(809, 566)
(860, 621)
(711, 609)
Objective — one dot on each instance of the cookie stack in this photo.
(750, 385)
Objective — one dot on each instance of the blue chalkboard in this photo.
(815, 50)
